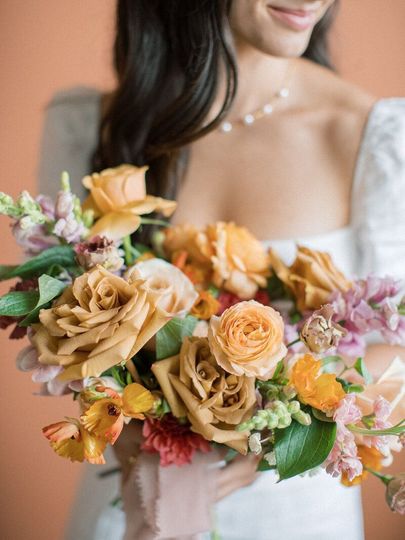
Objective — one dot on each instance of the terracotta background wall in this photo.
(51, 44)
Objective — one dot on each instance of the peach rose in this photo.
(240, 262)
(311, 278)
(248, 339)
(225, 254)
(184, 238)
(214, 401)
(98, 322)
(118, 197)
(175, 294)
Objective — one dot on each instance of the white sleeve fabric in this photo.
(379, 191)
(69, 138)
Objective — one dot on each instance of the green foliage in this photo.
(18, 303)
(62, 256)
(301, 448)
(170, 337)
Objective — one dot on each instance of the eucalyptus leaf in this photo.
(62, 256)
(18, 303)
(301, 448)
(170, 338)
(361, 368)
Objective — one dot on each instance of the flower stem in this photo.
(385, 478)
(151, 221)
(394, 430)
(293, 342)
(127, 245)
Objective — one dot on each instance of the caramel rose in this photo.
(98, 322)
(174, 292)
(214, 401)
(248, 339)
(311, 278)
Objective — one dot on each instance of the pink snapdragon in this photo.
(381, 412)
(343, 457)
(368, 306)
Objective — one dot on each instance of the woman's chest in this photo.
(276, 179)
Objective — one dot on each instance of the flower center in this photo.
(113, 410)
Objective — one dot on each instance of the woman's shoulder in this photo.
(74, 109)
(70, 136)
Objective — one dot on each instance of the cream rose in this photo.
(174, 292)
(98, 322)
(248, 339)
(118, 197)
(214, 401)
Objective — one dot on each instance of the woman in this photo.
(232, 105)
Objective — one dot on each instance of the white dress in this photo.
(310, 508)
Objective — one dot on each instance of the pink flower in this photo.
(27, 360)
(174, 442)
(347, 411)
(343, 457)
(381, 412)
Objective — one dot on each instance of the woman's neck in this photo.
(260, 76)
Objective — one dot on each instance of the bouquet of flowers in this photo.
(203, 337)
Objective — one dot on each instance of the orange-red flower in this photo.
(71, 440)
(105, 418)
(205, 306)
(320, 391)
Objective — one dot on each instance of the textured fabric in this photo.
(315, 508)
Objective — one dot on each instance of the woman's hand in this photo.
(241, 472)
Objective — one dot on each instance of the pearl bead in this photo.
(248, 119)
(268, 108)
(226, 127)
(284, 92)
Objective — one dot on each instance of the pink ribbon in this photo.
(170, 503)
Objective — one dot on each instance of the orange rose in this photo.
(311, 278)
(248, 339)
(118, 197)
(320, 391)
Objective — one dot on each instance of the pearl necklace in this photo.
(250, 118)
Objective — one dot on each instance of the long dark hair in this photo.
(169, 56)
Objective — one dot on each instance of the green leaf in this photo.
(278, 371)
(361, 368)
(350, 387)
(301, 448)
(264, 466)
(58, 255)
(18, 303)
(170, 337)
(49, 288)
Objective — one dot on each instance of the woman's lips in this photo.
(297, 19)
